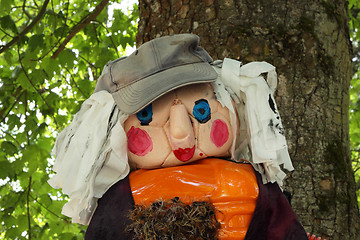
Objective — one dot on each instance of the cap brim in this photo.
(138, 95)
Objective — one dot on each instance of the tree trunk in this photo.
(308, 43)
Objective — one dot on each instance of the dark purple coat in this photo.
(273, 218)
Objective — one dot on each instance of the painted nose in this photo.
(181, 129)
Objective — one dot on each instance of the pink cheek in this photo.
(219, 133)
(139, 141)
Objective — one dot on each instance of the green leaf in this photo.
(31, 123)
(61, 31)
(103, 16)
(46, 143)
(8, 23)
(39, 28)
(6, 170)
(36, 41)
(5, 6)
(91, 32)
(9, 148)
(50, 66)
(24, 82)
(10, 220)
(52, 99)
(13, 121)
(8, 57)
(45, 199)
(67, 58)
(16, 72)
(62, 120)
(32, 155)
(12, 233)
(120, 22)
(37, 77)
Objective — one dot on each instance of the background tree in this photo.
(354, 12)
(308, 42)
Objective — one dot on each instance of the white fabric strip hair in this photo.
(91, 155)
(225, 100)
(226, 97)
(267, 141)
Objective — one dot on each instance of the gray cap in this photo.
(155, 68)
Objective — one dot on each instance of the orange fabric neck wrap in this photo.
(231, 187)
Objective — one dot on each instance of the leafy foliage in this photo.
(51, 52)
(354, 116)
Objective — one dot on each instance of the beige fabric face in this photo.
(187, 124)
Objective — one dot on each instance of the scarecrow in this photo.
(173, 145)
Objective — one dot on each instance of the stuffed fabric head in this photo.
(182, 126)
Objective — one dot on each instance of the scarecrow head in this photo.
(175, 117)
(182, 126)
(168, 104)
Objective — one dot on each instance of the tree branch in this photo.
(52, 8)
(28, 208)
(46, 208)
(73, 80)
(13, 138)
(27, 29)
(5, 33)
(15, 95)
(24, 10)
(80, 25)
(26, 117)
(112, 41)
(92, 66)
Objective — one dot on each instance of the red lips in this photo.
(184, 154)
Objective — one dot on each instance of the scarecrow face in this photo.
(182, 126)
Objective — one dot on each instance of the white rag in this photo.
(91, 155)
(265, 131)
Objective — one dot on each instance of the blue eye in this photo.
(145, 115)
(202, 111)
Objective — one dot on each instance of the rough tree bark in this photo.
(308, 42)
